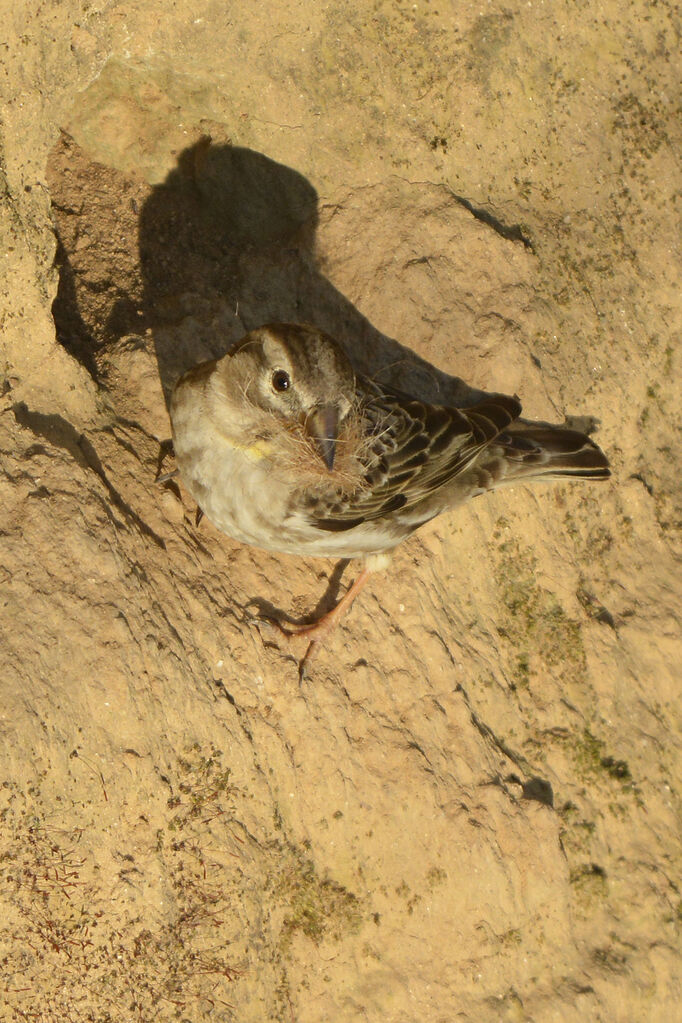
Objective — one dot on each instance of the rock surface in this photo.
(471, 811)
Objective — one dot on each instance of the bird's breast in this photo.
(242, 490)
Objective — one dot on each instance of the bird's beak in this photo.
(322, 426)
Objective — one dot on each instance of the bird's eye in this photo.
(281, 381)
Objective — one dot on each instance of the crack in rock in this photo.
(512, 232)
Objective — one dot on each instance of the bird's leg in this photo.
(327, 622)
(165, 448)
(318, 631)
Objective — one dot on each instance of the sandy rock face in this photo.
(471, 810)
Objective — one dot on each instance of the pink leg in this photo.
(319, 630)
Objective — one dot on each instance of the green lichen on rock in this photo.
(319, 908)
(532, 619)
(592, 761)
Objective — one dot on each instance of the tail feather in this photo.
(538, 451)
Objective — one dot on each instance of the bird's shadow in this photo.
(227, 243)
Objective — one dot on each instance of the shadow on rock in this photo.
(227, 243)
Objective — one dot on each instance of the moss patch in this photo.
(317, 907)
(534, 622)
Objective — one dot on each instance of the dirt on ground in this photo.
(470, 810)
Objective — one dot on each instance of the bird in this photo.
(284, 446)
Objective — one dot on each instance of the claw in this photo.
(167, 476)
(318, 631)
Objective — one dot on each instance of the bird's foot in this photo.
(315, 633)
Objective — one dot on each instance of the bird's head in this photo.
(299, 375)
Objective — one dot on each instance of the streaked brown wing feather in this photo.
(414, 449)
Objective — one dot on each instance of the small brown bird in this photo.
(285, 447)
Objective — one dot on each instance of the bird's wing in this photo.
(412, 450)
